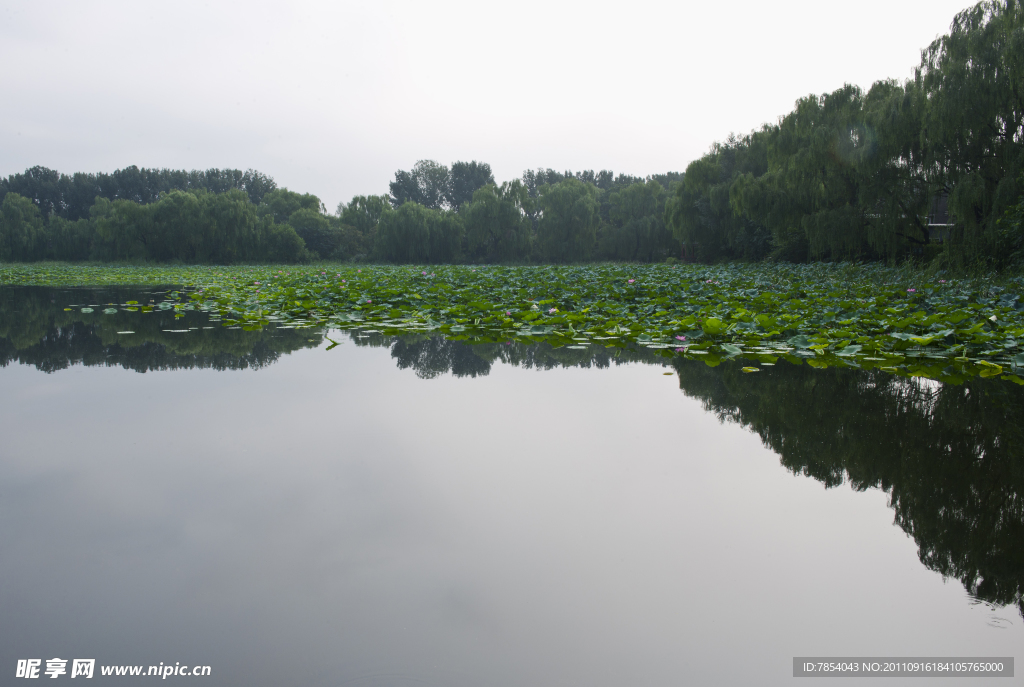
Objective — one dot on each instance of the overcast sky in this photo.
(333, 97)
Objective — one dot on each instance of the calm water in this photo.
(422, 512)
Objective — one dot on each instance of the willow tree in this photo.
(636, 228)
(975, 121)
(497, 226)
(567, 230)
(811, 190)
(124, 230)
(21, 229)
(895, 191)
(281, 203)
(701, 213)
(363, 213)
(414, 233)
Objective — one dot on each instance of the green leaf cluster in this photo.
(824, 315)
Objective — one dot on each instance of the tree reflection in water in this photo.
(35, 329)
(951, 458)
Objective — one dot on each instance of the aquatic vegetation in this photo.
(825, 315)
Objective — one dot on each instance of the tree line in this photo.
(898, 169)
(434, 213)
(439, 214)
(930, 167)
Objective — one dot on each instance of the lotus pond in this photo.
(296, 487)
(864, 316)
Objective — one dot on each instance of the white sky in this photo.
(333, 97)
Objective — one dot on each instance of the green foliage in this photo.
(124, 230)
(636, 228)
(182, 226)
(417, 234)
(847, 175)
(567, 231)
(954, 479)
(70, 197)
(437, 187)
(702, 215)
(975, 121)
(427, 184)
(320, 237)
(21, 229)
(207, 218)
(233, 234)
(69, 240)
(463, 181)
(497, 228)
(1011, 227)
(279, 242)
(870, 317)
(852, 175)
(37, 328)
(363, 214)
(282, 203)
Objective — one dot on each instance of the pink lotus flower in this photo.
(681, 338)
(368, 300)
(942, 281)
(424, 273)
(632, 280)
(911, 290)
(553, 310)
(508, 313)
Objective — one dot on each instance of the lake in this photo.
(419, 511)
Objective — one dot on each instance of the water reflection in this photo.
(36, 329)
(951, 458)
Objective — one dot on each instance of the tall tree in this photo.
(417, 234)
(636, 228)
(317, 231)
(281, 203)
(497, 226)
(464, 179)
(427, 184)
(363, 213)
(975, 121)
(21, 229)
(568, 224)
(702, 213)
